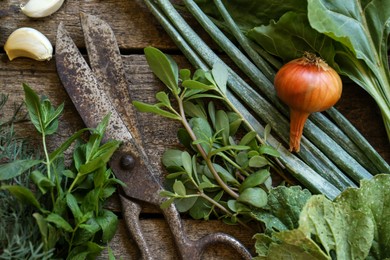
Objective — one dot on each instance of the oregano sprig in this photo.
(223, 174)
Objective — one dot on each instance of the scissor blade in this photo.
(83, 88)
(92, 104)
(106, 63)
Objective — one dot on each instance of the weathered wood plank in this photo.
(133, 24)
(135, 28)
(130, 19)
(159, 238)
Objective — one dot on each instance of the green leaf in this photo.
(100, 158)
(65, 145)
(202, 130)
(284, 207)
(86, 231)
(201, 209)
(74, 207)
(108, 222)
(269, 150)
(144, 107)
(255, 179)
(348, 233)
(254, 196)
(90, 201)
(248, 137)
(353, 226)
(185, 204)
(50, 116)
(291, 36)
(34, 108)
(193, 84)
(293, 245)
(228, 148)
(373, 198)
(172, 157)
(78, 253)
(222, 172)
(220, 75)
(187, 162)
(23, 194)
(59, 221)
(163, 67)
(363, 27)
(222, 125)
(258, 161)
(42, 226)
(163, 98)
(194, 110)
(184, 74)
(179, 188)
(16, 168)
(42, 182)
(167, 203)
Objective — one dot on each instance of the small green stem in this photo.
(48, 164)
(74, 182)
(202, 151)
(218, 205)
(234, 164)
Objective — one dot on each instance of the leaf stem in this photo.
(202, 152)
(218, 205)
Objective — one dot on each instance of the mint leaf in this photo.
(16, 168)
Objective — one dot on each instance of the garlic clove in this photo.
(41, 8)
(30, 43)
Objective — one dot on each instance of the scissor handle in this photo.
(189, 249)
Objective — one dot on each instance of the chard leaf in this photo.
(294, 245)
(248, 14)
(355, 225)
(284, 207)
(373, 198)
(361, 26)
(346, 232)
(291, 36)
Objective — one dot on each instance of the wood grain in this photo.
(135, 28)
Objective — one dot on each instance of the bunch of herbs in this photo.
(66, 202)
(225, 169)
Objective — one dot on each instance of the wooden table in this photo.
(136, 28)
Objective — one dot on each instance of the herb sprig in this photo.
(67, 200)
(221, 172)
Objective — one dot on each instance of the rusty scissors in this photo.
(101, 88)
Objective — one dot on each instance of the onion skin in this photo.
(306, 85)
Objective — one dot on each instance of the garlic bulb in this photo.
(30, 43)
(41, 8)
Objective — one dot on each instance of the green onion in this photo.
(307, 176)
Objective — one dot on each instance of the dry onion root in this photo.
(306, 85)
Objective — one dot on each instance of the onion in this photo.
(306, 85)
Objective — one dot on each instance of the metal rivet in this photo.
(127, 162)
